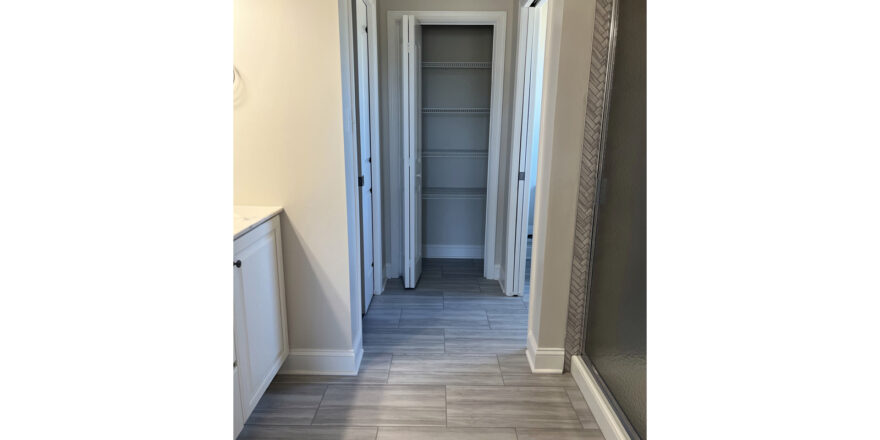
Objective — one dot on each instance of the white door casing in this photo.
(412, 147)
(365, 157)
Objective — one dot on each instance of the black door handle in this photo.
(237, 263)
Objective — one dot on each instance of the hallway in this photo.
(443, 361)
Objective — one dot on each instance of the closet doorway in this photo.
(448, 74)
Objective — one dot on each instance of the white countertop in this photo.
(247, 217)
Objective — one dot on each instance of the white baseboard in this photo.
(605, 416)
(329, 362)
(544, 360)
(452, 251)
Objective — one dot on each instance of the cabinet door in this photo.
(261, 342)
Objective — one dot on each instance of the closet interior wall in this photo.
(456, 90)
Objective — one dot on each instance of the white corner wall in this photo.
(289, 151)
(567, 63)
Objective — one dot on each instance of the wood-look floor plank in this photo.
(257, 432)
(540, 380)
(588, 421)
(488, 303)
(484, 341)
(291, 395)
(426, 340)
(382, 317)
(445, 363)
(363, 377)
(558, 434)
(282, 416)
(514, 363)
(376, 361)
(379, 416)
(450, 285)
(426, 378)
(411, 292)
(481, 293)
(527, 407)
(511, 320)
(406, 301)
(443, 433)
(389, 405)
(418, 318)
(396, 396)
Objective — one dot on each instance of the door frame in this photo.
(498, 20)
(375, 151)
(527, 47)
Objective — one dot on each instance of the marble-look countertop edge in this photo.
(271, 211)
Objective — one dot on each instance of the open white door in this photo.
(530, 126)
(411, 74)
(365, 179)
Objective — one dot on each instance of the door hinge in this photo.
(360, 180)
(522, 175)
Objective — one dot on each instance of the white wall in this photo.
(289, 151)
(565, 90)
(393, 239)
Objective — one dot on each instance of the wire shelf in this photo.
(455, 110)
(456, 65)
(477, 153)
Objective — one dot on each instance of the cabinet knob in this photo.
(237, 263)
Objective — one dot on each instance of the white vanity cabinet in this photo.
(260, 317)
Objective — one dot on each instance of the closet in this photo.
(447, 91)
(456, 88)
(450, 97)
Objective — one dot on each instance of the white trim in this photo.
(327, 362)
(497, 19)
(375, 145)
(544, 360)
(452, 251)
(602, 410)
(350, 150)
(537, 316)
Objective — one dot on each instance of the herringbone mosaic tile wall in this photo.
(593, 121)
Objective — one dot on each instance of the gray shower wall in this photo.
(392, 197)
(607, 299)
(616, 331)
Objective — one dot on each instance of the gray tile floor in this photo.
(443, 361)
